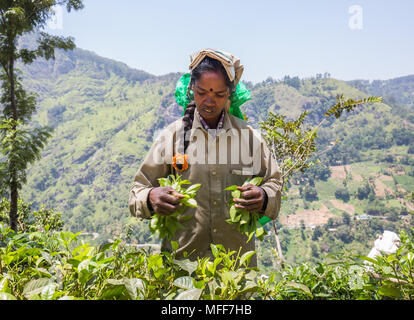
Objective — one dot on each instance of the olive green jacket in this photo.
(208, 224)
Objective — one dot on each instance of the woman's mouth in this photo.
(208, 110)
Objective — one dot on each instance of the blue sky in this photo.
(272, 38)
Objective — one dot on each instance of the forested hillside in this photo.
(105, 116)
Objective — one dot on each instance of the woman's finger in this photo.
(246, 202)
(169, 198)
(250, 208)
(167, 207)
(246, 187)
(250, 194)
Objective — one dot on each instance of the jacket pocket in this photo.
(237, 177)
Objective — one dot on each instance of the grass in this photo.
(326, 189)
(405, 181)
(394, 203)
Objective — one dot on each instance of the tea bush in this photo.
(57, 265)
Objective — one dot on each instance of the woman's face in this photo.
(211, 95)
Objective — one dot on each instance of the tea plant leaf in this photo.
(4, 284)
(193, 188)
(389, 291)
(247, 222)
(250, 286)
(35, 286)
(67, 298)
(135, 287)
(374, 261)
(236, 194)
(300, 287)
(191, 294)
(187, 265)
(215, 250)
(185, 282)
(255, 181)
(229, 277)
(192, 203)
(7, 296)
(174, 245)
(114, 289)
(167, 226)
(48, 291)
(246, 257)
(231, 188)
(233, 214)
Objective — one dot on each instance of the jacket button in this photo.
(214, 230)
(215, 203)
(213, 173)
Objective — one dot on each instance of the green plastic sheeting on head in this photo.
(238, 97)
(181, 91)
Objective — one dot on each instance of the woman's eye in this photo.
(220, 95)
(200, 93)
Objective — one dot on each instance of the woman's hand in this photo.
(164, 200)
(252, 198)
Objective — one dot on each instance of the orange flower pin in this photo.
(180, 162)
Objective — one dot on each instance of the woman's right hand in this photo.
(164, 200)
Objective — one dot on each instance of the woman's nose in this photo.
(209, 100)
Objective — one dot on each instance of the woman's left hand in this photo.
(252, 198)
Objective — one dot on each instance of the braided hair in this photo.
(206, 65)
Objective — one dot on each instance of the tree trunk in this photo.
(14, 193)
(278, 246)
(12, 168)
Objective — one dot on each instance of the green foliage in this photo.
(365, 190)
(342, 193)
(247, 222)
(310, 193)
(290, 143)
(167, 225)
(293, 82)
(60, 266)
(30, 220)
(396, 92)
(19, 145)
(106, 116)
(349, 104)
(318, 171)
(393, 273)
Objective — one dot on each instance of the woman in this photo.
(200, 139)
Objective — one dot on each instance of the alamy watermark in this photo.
(240, 147)
(355, 22)
(56, 20)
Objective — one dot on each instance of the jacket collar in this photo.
(198, 125)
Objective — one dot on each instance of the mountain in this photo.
(398, 90)
(106, 114)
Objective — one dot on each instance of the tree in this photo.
(293, 82)
(346, 218)
(344, 233)
(20, 145)
(317, 233)
(364, 191)
(293, 146)
(28, 221)
(310, 193)
(342, 193)
(321, 171)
